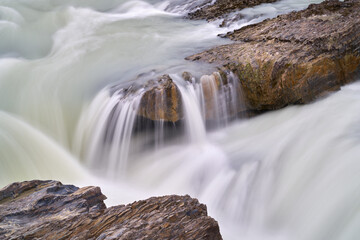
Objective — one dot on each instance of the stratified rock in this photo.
(294, 58)
(223, 7)
(50, 210)
(161, 101)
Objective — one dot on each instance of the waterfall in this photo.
(70, 97)
(106, 133)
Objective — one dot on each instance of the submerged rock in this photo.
(220, 8)
(294, 58)
(186, 5)
(51, 210)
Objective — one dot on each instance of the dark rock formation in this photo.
(50, 210)
(294, 58)
(223, 7)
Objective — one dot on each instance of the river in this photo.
(287, 174)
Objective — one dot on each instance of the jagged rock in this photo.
(50, 210)
(294, 58)
(161, 101)
(223, 7)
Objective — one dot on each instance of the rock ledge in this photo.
(294, 58)
(48, 209)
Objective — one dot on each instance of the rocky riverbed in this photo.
(51, 210)
(295, 58)
(222, 8)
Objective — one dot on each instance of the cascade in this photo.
(112, 127)
(71, 94)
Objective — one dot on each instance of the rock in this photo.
(186, 5)
(51, 210)
(161, 101)
(188, 77)
(223, 7)
(294, 58)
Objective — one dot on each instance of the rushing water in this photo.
(289, 174)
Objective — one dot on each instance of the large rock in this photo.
(161, 101)
(50, 210)
(294, 58)
(221, 8)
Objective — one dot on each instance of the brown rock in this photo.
(293, 58)
(223, 7)
(161, 101)
(50, 210)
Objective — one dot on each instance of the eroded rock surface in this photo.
(221, 8)
(294, 58)
(51, 210)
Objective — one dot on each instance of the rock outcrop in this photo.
(51, 210)
(294, 58)
(161, 101)
(221, 8)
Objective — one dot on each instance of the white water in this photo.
(289, 174)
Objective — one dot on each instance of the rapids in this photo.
(289, 174)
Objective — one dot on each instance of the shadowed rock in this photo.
(294, 58)
(50, 210)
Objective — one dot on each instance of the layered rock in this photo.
(221, 8)
(294, 58)
(51, 210)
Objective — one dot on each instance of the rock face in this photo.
(161, 101)
(221, 8)
(50, 210)
(294, 58)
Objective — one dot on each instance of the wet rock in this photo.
(221, 8)
(186, 5)
(294, 58)
(210, 85)
(188, 77)
(161, 101)
(51, 210)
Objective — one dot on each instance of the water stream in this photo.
(64, 115)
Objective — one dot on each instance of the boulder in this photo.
(51, 210)
(294, 58)
(161, 101)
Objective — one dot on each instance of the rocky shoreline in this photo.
(295, 58)
(222, 8)
(50, 210)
